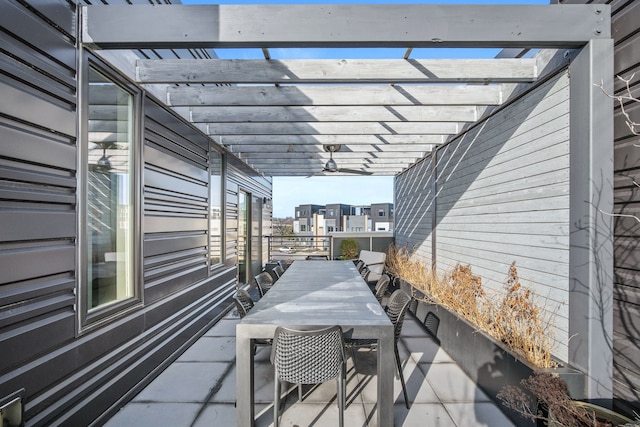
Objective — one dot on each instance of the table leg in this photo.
(386, 370)
(244, 378)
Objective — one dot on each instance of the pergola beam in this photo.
(352, 140)
(360, 155)
(334, 95)
(402, 113)
(283, 150)
(385, 113)
(302, 71)
(196, 26)
(333, 128)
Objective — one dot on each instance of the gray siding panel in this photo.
(21, 24)
(22, 102)
(37, 193)
(175, 202)
(625, 28)
(502, 196)
(70, 377)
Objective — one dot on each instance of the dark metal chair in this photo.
(243, 302)
(308, 357)
(432, 322)
(396, 310)
(381, 287)
(278, 271)
(264, 281)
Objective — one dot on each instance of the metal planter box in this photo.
(487, 362)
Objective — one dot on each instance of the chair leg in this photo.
(300, 392)
(276, 401)
(341, 400)
(404, 386)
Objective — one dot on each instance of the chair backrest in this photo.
(381, 287)
(264, 282)
(278, 271)
(243, 302)
(360, 265)
(308, 356)
(432, 322)
(375, 261)
(396, 309)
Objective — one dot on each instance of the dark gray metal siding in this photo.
(625, 30)
(240, 177)
(71, 378)
(176, 194)
(37, 193)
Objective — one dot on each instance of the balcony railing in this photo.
(301, 247)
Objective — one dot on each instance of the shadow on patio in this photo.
(198, 389)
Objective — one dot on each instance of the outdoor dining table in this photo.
(316, 293)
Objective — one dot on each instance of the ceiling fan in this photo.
(331, 166)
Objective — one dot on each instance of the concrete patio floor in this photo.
(198, 389)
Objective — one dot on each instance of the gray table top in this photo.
(319, 293)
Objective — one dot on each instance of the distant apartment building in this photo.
(382, 217)
(333, 217)
(338, 217)
(304, 222)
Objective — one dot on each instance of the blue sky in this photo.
(289, 192)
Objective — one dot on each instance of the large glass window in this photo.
(109, 209)
(215, 215)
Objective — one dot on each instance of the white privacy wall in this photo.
(501, 195)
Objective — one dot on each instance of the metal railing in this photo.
(298, 247)
(294, 247)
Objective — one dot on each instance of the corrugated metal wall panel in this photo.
(240, 177)
(72, 378)
(625, 30)
(37, 189)
(502, 196)
(176, 194)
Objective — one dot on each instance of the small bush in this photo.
(349, 248)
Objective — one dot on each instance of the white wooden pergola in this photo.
(279, 116)
(381, 115)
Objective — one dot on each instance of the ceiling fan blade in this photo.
(355, 171)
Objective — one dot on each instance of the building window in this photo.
(111, 226)
(330, 212)
(303, 227)
(381, 212)
(215, 208)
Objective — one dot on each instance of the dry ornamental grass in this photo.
(512, 318)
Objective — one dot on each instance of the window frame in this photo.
(223, 192)
(88, 318)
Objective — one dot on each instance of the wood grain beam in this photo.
(334, 95)
(363, 25)
(331, 128)
(303, 71)
(402, 113)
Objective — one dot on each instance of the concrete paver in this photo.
(198, 389)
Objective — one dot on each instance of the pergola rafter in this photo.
(302, 71)
(277, 114)
(179, 96)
